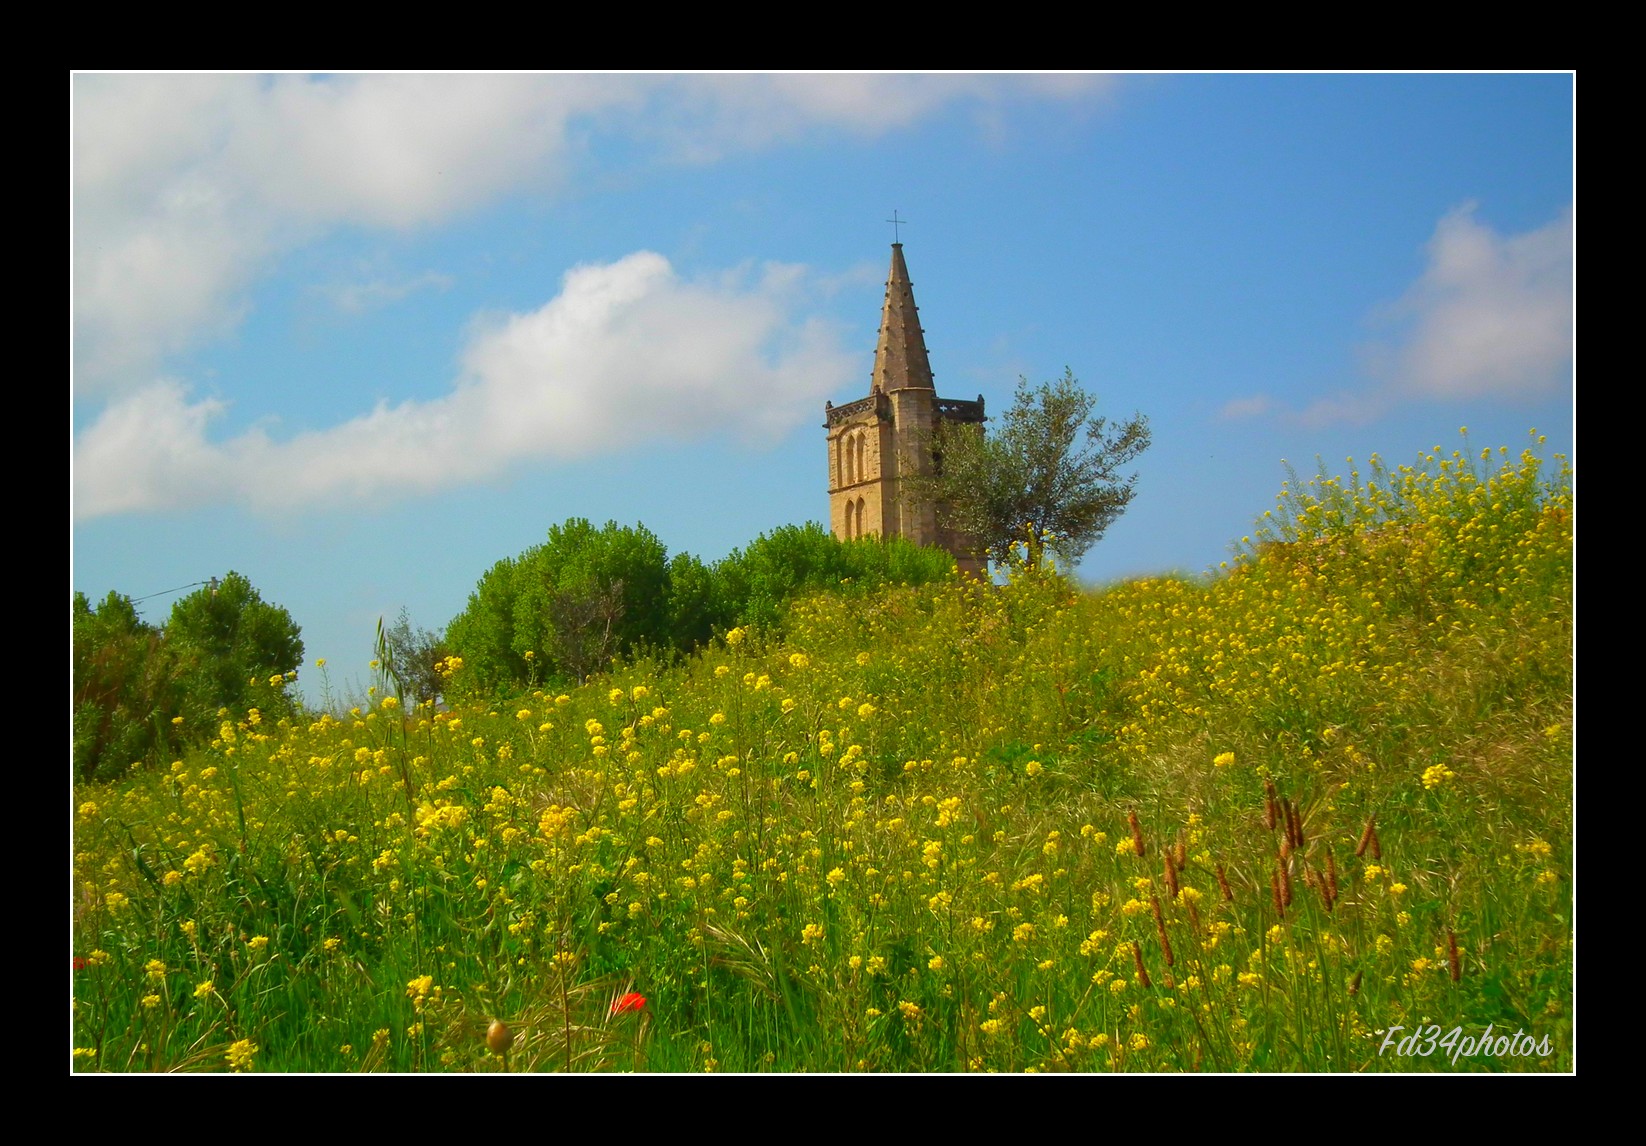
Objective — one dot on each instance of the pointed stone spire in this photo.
(900, 358)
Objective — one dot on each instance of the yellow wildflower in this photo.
(240, 1055)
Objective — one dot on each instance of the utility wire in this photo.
(179, 589)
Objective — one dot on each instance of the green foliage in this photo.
(698, 604)
(796, 560)
(586, 596)
(582, 597)
(141, 692)
(125, 687)
(1051, 470)
(230, 644)
(483, 634)
(411, 655)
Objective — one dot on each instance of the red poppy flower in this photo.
(633, 1001)
(79, 963)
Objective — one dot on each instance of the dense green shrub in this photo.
(562, 610)
(796, 560)
(141, 692)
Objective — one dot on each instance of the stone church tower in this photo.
(875, 441)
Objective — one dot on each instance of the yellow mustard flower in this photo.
(240, 1055)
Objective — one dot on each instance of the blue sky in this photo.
(360, 337)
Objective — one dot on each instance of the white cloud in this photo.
(187, 188)
(1492, 315)
(1239, 409)
(359, 297)
(708, 116)
(148, 451)
(1349, 409)
(626, 354)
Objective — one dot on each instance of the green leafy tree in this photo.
(572, 603)
(791, 561)
(483, 633)
(141, 692)
(124, 690)
(774, 568)
(412, 654)
(1051, 476)
(698, 604)
(230, 644)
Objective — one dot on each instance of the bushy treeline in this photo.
(564, 609)
(143, 691)
(558, 612)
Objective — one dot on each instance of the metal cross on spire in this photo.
(894, 221)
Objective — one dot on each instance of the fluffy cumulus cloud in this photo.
(627, 353)
(1492, 315)
(187, 188)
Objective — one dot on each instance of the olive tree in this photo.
(1052, 475)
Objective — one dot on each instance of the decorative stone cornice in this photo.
(875, 403)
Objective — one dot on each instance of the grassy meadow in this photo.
(1278, 819)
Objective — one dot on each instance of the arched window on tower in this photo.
(861, 473)
(851, 518)
(860, 508)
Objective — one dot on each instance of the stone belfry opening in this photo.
(878, 441)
